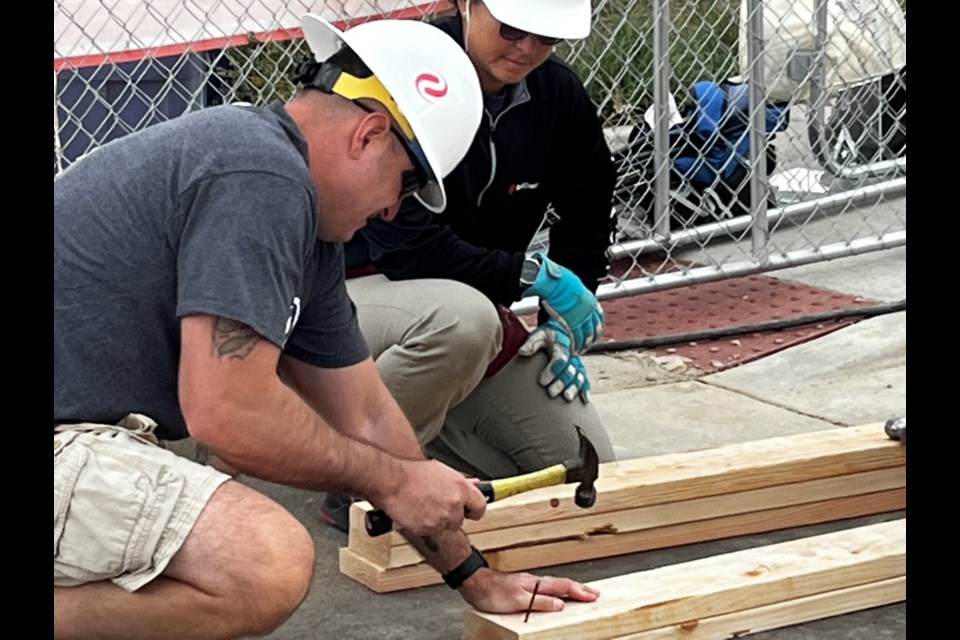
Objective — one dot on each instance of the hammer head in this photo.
(896, 429)
(584, 469)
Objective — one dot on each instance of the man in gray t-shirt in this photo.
(199, 291)
(188, 233)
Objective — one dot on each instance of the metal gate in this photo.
(837, 68)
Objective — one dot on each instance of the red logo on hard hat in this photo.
(431, 86)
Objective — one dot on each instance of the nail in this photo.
(536, 588)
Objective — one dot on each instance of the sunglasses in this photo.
(410, 183)
(411, 180)
(512, 34)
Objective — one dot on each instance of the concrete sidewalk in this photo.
(855, 375)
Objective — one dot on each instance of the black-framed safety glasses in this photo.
(410, 183)
(512, 34)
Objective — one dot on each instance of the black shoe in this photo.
(335, 510)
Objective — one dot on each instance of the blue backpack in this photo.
(710, 154)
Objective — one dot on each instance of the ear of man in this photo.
(372, 129)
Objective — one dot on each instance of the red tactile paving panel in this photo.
(735, 302)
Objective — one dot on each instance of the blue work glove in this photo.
(565, 374)
(565, 299)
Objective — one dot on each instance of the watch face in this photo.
(529, 271)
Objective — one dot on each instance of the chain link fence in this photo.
(748, 135)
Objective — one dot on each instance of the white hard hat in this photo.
(568, 19)
(431, 88)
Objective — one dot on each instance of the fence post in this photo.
(661, 117)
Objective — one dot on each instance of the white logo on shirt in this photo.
(522, 185)
(294, 315)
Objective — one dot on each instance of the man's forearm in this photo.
(274, 435)
(443, 552)
(372, 415)
(376, 418)
(235, 403)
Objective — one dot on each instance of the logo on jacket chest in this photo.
(520, 186)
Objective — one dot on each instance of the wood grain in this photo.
(713, 586)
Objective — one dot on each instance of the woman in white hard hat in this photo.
(222, 314)
(424, 283)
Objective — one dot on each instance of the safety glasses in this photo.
(512, 34)
(410, 183)
(411, 180)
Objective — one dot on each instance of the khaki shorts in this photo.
(122, 504)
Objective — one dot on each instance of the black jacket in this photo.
(546, 147)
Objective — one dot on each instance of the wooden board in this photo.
(605, 546)
(663, 479)
(651, 517)
(602, 545)
(782, 614)
(382, 580)
(713, 586)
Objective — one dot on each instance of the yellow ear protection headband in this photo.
(330, 78)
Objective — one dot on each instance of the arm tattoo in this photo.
(232, 339)
(429, 543)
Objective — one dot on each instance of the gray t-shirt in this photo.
(213, 212)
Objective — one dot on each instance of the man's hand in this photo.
(565, 374)
(565, 298)
(430, 497)
(496, 592)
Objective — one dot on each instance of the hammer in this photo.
(584, 469)
(896, 429)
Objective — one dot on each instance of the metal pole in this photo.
(700, 234)
(701, 275)
(661, 117)
(57, 146)
(759, 186)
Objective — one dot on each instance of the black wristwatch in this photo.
(459, 574)
(530, 270)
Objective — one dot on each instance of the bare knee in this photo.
(253, 554)
(275, 589)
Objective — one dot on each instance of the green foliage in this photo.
(260, 72)
(616, 61)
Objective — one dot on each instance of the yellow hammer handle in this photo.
(506, 487)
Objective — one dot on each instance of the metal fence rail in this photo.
(829, 182)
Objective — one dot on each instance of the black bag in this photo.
(709, 152)
(869, 121)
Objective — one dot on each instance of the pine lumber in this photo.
(682, 594)
(381, 580)
(605, 546)
(782, 614)
(601, 545)
(667, 480)
(655, 516)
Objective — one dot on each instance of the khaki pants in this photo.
(432, 341)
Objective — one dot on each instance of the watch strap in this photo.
(459, 574)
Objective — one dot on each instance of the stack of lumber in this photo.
(663, 501)
(729, 595)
